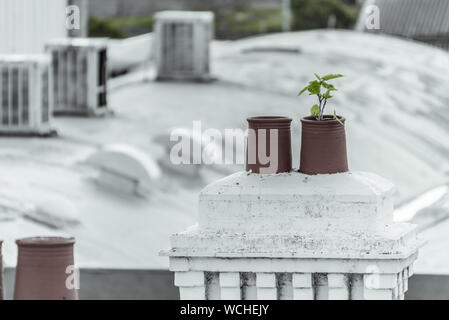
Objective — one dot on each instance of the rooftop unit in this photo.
(80, 73)
(26, 98)
(182, 45)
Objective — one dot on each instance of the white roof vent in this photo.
(125, 168)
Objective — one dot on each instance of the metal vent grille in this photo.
(26, 103)
(45, 111)
(102, 79)
(178, 47)
(182, 44)
(15, 96)
(80, 74)
(70, 74)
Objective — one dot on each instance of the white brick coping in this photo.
(290, 265)
(397, 241)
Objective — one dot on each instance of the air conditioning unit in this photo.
(80, 75)
(26, 98)
(182, 45)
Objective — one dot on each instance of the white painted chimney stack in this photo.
(295, 236)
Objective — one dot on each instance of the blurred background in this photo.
(103, 173)
(233, 19)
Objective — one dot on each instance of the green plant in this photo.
(316, 87)
(242, 20)
(104, 28)
(314, 14)
(120, 27)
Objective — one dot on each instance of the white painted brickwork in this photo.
(266, 286)
(191, 285)
(302, 286)
(230, 285)
(293, 236)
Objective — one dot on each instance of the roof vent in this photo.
(125, 168)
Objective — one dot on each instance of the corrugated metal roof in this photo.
(423, 20)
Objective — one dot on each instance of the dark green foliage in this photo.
(314, 14)
(120, 27)
(242, 21)
(239, 21)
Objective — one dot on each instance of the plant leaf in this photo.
(336, 118)
(327, 94)
(302, 91)
(329, 86)
(331, 76)
(318, 77)
(315, 110)
(314, 87)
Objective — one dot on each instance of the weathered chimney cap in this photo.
(292, 215)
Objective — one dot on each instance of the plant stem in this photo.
(320, 99)
(322, 110)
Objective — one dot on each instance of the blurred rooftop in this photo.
(395, 105)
